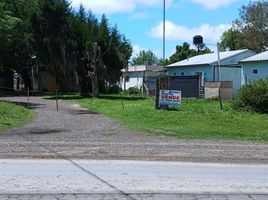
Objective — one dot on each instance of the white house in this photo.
(135, 76)
(207, 66)
(255, 67)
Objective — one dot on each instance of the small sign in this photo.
(169, 98)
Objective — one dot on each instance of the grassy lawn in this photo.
(195, 119)
(12, 115)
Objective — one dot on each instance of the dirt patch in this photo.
(48, 131)
(84, 112)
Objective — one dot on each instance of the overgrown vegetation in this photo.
(253, 97)
(133, 91)
(195, 119)
(12, 115)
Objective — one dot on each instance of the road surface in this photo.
(107, 179)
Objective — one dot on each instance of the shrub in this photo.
(115, 89)
(133, 91)
(253, 97)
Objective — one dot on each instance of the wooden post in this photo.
(28, 97)
(122, 101)
(220, 99)
(157, 88)
(57, 102)
(91, 106)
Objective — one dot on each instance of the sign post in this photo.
(169, 98)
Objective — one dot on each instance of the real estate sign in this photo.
(169, 98)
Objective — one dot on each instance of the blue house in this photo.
(207, 67)
(255, 67)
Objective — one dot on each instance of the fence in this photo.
(190, 86)
(212, 90)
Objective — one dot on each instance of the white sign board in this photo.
(169, 98)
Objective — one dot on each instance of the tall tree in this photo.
(51, 37)
(232, 40)
(145, 57)
(15, 36)
(101, 52)
(119, 54)
(184, 51)
(81, 27)
(253, 24)
(9, 34)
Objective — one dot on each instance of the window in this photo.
(127, 79)
(182, 73)
(174, 74)
(255, 71)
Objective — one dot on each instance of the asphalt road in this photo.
(84, 179)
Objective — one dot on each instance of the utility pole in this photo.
(219, 74)
(219, 62)
(164, 30)
(198, 42)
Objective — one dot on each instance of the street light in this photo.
(198, 42)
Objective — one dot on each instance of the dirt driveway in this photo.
(73, 132)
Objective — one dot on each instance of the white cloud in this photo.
(180, 32)
(115, 6)
(137, 49)
(214, 4)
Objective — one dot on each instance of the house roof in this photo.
(142, 68)
(259, 57)
(207, 58)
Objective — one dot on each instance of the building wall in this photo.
(227, 74)
(237, 58)
(192, 70)
(135, 79)
(233, 74)
(248, 75)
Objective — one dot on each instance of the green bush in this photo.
(115, 89)
(133, 91)
(253, 97)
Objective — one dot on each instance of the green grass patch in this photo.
(12, 115)
(195, 119)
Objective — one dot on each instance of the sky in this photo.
(141, 21)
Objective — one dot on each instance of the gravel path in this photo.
(73, 132)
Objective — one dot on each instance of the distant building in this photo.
(139, 75)
(255, 67)
(207, 67)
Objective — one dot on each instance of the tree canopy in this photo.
(250, 30)
(253, 23)
(183, 52)
(232, 40)
(145, 57)
(15, 35)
